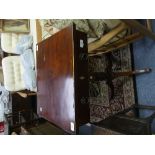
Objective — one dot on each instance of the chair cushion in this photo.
(27, 59)
(13, 73)
(9, 41)
(24, 43)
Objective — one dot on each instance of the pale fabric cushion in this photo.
(27, 59)
(30, 79)
(9, 41)
(24, 43)
(13, 73)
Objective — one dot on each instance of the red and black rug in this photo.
(101, 105)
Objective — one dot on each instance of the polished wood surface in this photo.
(62, 96)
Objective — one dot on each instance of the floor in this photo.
(144, 57)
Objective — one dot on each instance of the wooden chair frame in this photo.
(103, 46)
(130, 124)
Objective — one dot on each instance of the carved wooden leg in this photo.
(109, 76)
(130, 73)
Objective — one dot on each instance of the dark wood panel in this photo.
(81, 77)
(59, 88)
(23, 107)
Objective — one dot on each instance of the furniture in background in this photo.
(13, 44)
(13, 72)
(112, 40)
(62, 79)
(15, 25)
(128, 122)
(109, 75)
(9, 42)
(23, 112)
(10, 39)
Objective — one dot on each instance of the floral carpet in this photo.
(101, 105)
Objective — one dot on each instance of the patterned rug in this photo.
(101, 106)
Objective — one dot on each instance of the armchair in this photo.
(13, 72)
(9, 41)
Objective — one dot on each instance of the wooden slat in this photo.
(107, 37)
(118, 44)
(39, 31)
(139, 27)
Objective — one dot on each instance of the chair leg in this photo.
(109, 76)
(130, 73)
(101, 76)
